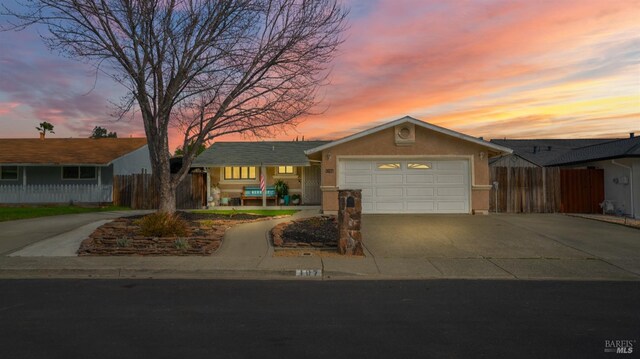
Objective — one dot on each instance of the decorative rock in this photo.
(349, 220)
(276, 234)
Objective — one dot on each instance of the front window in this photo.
(388, 166)
(240, 173)
(285, 170)
(78, 172)
(419, 165)
(9, 172)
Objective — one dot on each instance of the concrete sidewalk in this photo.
(246, 253)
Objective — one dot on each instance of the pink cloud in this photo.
(488, 68)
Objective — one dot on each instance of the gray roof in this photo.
(628, 147)
(554, 152)
(544, 152)
(267, 153)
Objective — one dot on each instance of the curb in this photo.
(129, 273)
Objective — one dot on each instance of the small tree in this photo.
(99, 132)
(190, 148)
(44, 128)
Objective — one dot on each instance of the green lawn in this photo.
(12, 213)
(261, 212)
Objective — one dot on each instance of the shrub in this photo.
(163, 225)
(123, 242)
(181, 243)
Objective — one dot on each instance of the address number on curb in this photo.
(308, 272)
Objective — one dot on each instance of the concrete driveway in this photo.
(523, 246)
(15, 235)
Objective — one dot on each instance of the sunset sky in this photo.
(515, 69)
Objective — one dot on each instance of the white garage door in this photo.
(408, 186)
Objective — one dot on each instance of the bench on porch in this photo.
(256, 193)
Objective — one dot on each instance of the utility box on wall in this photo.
(349, 222)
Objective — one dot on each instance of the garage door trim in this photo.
(432, 203)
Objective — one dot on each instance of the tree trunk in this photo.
(166, 187)
(159, 154)
(167, 194)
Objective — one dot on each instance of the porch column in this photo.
(263, 174)
(99, 173)
(24, 176)
(208, 185)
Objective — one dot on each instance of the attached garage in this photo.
(408, 185)
(408, 166)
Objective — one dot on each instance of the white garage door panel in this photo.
(443, 188)
(366, 193)
(451, 206)
(367, 207)
(450, 179)
(450, 165)
(454, 191)
(420, 207)
(389, 191)
(389, 179)
(418, 191)
(359, 179)
(412, 178)
(358, 165)
(389, 206)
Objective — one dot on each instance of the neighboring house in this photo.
(403, 166)
(619, 160)
(62, 170)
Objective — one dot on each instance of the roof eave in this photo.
(53, 164)
(414, 121)
(591, 160)
(232, 164)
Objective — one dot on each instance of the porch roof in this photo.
(265, 153)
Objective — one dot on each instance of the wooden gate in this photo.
(582, 190)
(525, 190)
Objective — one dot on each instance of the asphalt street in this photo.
(315, 319)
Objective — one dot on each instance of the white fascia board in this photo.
(54, 164)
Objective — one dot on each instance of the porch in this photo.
(301, 207)
(239, 186)
(233, 167)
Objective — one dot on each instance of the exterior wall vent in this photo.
(405, 134)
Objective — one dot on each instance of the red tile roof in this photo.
(66, 150)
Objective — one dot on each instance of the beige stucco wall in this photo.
(428, 143)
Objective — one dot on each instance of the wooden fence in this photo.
(525, 190)
(140, 192)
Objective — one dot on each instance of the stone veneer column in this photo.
(349, 219)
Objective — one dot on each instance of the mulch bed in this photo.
(121, 237)
(314, 232)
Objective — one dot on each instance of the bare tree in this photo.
(209, 67)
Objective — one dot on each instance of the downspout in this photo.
(633, 212)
